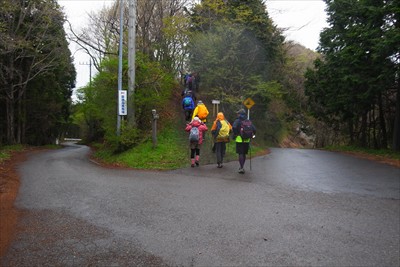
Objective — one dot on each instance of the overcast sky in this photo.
(302, 19)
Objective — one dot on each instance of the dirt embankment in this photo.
(9, 185)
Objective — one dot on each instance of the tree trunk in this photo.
(19, 120)
(382, 124)
(10, 120)
(396, 132)
(363, 130)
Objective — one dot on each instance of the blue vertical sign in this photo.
(122, 107)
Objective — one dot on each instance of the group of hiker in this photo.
(191, 80)
(243, 131)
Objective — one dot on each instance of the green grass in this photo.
(386, 153)
(170, 153)
(6, 151)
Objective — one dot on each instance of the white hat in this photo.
(196, 119)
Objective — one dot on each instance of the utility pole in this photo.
(131, 61)
(90, 70)
(121, 34)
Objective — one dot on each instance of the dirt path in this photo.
(9, 184)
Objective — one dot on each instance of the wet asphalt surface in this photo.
(294, 208)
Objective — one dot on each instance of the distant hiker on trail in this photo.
(243, 131)
(188, 106)
(187, 92)
(190, 81)
(196, 130)
(185, 79)
(200, 111)
(220, 131)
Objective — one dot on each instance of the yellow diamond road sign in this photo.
(248, 103)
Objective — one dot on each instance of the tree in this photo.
(358, 76)
(32, 46)
(159, 32)
(100, 37)
(98, 106)
(238, 52)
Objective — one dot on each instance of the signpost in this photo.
(215, 104)
(122, 101)
(249, 103)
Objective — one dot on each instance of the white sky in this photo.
(303, 19)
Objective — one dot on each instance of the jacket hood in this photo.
(195, 123)
(220, 116)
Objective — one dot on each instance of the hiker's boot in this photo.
(197, 160)
(241, 170)
(219, 165)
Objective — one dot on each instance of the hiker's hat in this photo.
(199, 102)
(241, 111)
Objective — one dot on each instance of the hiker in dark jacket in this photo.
(242, 144)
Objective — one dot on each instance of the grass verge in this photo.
(384, 153)
(6, 151)
(170, 153)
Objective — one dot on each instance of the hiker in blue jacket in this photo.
(188, 107)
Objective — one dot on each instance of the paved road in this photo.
(294, 208)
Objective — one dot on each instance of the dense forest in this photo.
(345, 93)
(354, 88)
(36, 72)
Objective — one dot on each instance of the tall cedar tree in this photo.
(356, 83)
(37, 75)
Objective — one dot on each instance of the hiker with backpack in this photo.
(196, 129)
(243, 131)
(188, 106)
(200, 111)
(187, 92)
(220, 131)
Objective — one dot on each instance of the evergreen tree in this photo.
(356, 82)
(37, 75)
(238, 51)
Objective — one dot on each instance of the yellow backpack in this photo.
(223, 134)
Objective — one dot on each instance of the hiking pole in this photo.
(250, 152)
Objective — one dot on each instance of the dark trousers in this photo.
(188, 115)
(220, 149)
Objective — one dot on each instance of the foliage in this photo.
(170, 153)
(6, 151)
(239, 54)
(37, 75)
(354, 86)
(98, 107)
(173, 50)
(384, 153)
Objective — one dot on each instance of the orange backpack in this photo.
(202, 112)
